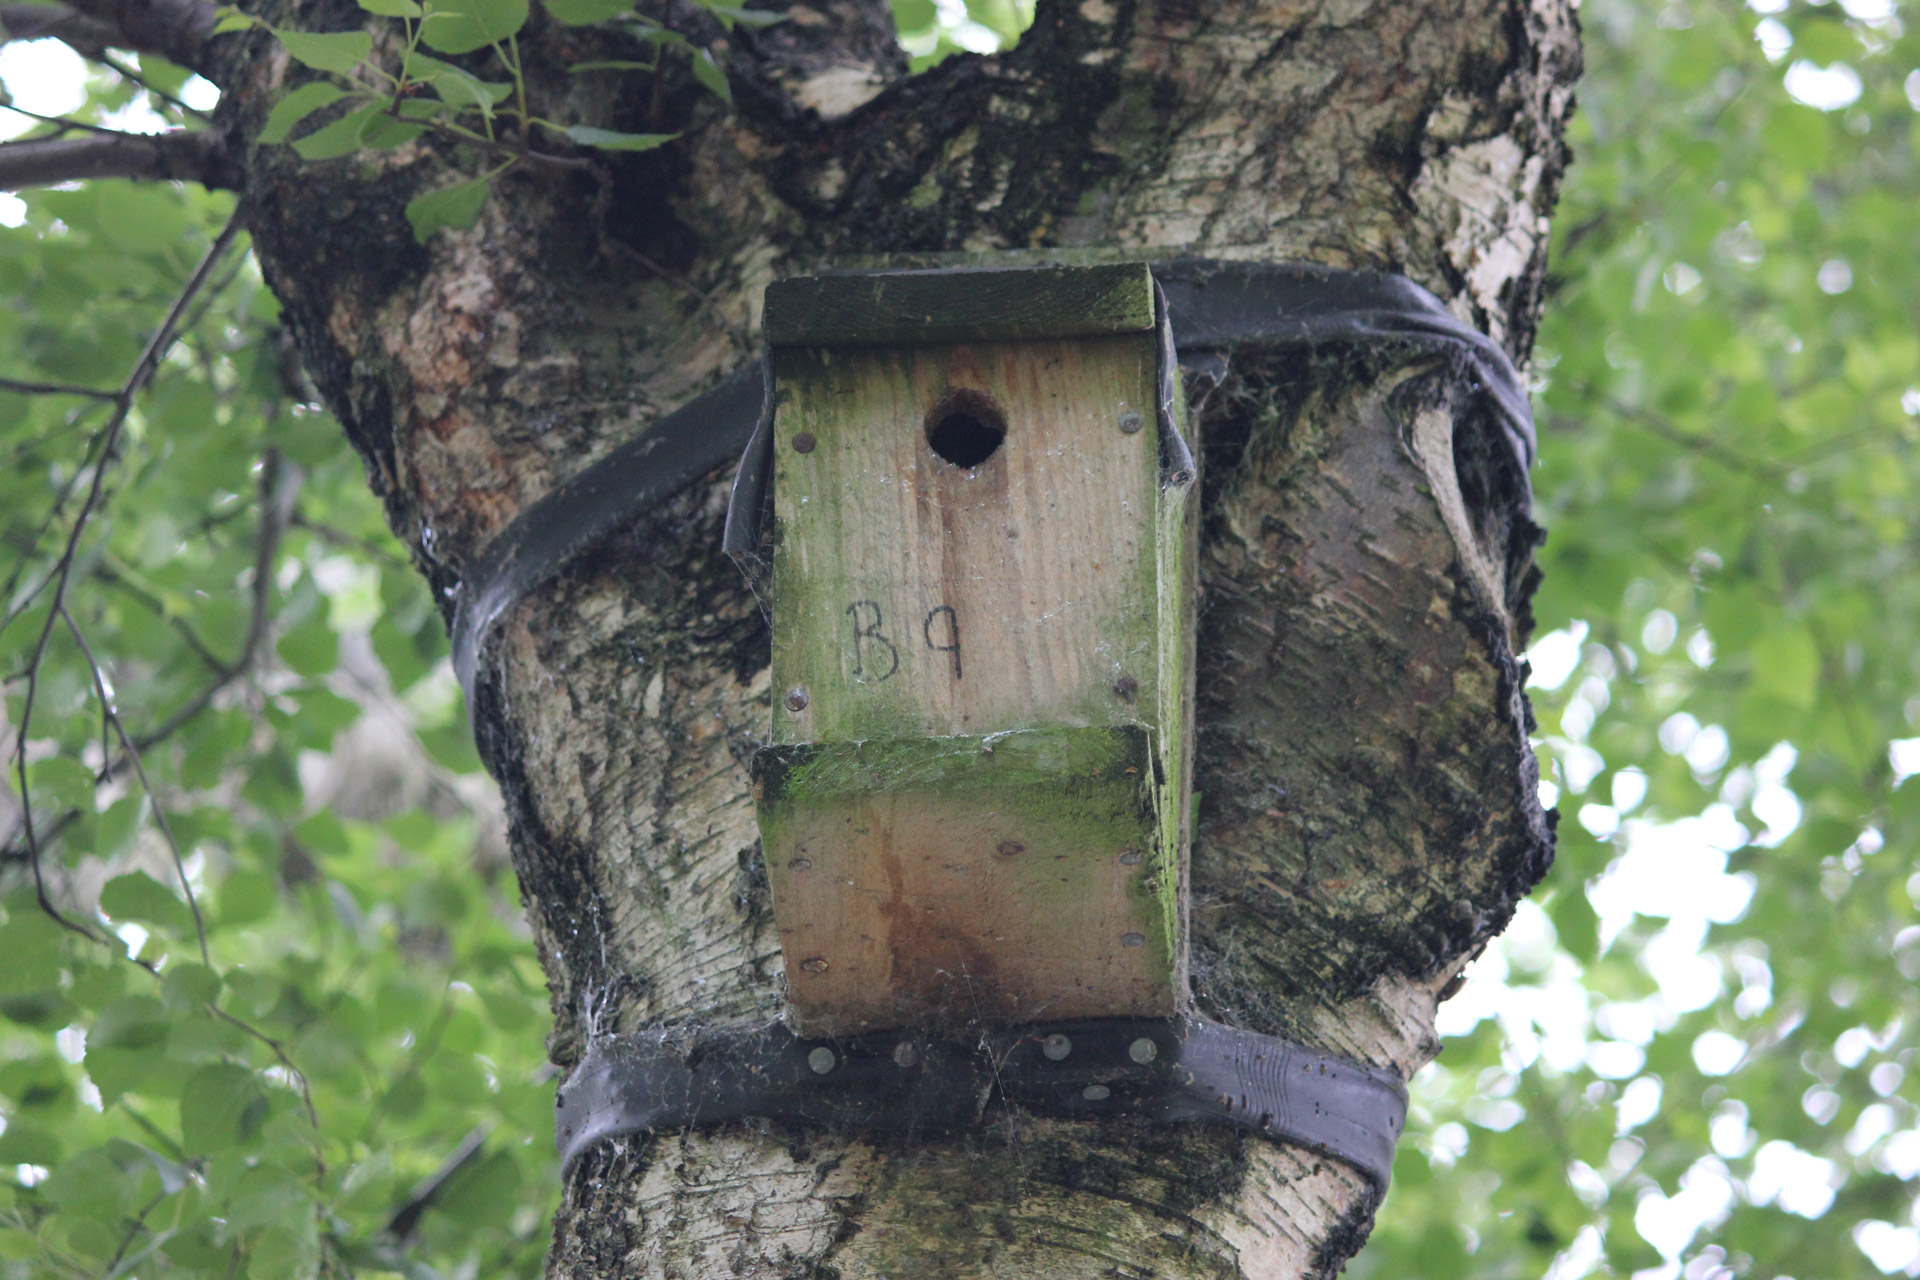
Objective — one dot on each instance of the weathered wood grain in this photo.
(949, 306)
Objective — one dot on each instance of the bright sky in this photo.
(49, 79)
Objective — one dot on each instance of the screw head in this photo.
(1010, 848)
(801, 864)
(804, 442)
(1096, 1093)
(821, 1060)
(1133, 939)
(1143, 1050)
(1131, 857)
(906, 1054)
(797, 699)
(815, 965)
(1130, 422)
(1056, 1047)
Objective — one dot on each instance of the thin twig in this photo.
(128, 74)
(279, 1051)
(341, 538)
(406, 1219)
(33, 444)
(1673, 433)
(63, 122)
(114, 577)
(25, 561)
(134, 1229)
(274, 505)
(54, 389)
(153, 1131)
(112, 716)
(736, 332)
(142, 372)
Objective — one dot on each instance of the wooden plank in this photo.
(931, 882)
(913, 597)
(992, 305)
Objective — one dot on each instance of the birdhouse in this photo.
(974, 804)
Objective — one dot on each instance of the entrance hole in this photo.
(966, 428)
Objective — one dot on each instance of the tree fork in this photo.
(1367, 815)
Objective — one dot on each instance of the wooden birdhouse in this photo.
(974, 805)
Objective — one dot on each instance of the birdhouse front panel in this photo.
(898, 569)
(972, 806)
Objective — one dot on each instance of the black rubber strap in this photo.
(1214, 307)
(1158, 1069)
(632, 480)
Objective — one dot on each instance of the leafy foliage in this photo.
(295, 1027)
(387, 108)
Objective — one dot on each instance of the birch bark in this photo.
(1367, 812)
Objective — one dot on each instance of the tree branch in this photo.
(88, 37)
(175, 29)
(201, 156)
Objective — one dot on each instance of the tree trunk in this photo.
(1367, 813)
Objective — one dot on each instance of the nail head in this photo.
(1133, 939)
(1131, 422)
(1056, 1047)
(821, 1060)
(804, 442)
(1143, 1050)
(797, 699)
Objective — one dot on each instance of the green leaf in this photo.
(297, 106)
(463, 26)
(26, 1142)
(482, 1191)
(384, 132)
(229, 19)
(608, 140)
(580, 13)
(1786, 664)
(189, 986)
(339, 52)
(138, 896)
(247, 897)
(310, 649)
(392, 8)
(616, 64)
(324, 833)
(281, 1254)
(31, 941)
(708, 73)
(452, 208)
(221, 1105)
(60, 783)
(339, 138)
(457, 86)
